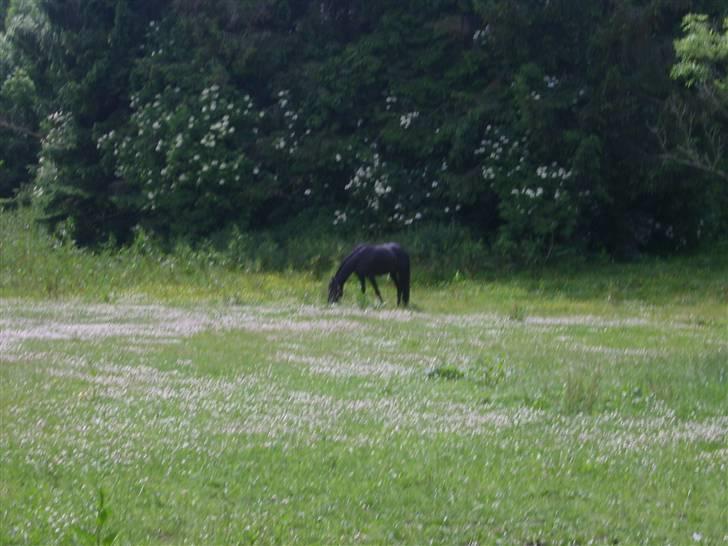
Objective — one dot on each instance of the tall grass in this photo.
(243, 267)
(36, 264)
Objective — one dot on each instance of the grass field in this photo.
(214, 406)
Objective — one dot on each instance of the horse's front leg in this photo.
(376, 288)
(362, 280)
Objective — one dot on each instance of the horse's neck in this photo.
(347, 267)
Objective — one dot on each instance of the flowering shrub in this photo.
(537, 203)
(393, 181)
(385, 195)
(60, 136)
(539, 214)
(182, 155)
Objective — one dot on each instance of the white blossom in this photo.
(406, 120)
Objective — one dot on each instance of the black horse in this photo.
(368, 261)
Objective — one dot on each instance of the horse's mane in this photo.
(347, 262)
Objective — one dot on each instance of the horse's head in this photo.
(336, 290)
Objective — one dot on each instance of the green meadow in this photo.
(179, 399)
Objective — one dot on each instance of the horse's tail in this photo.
(404, 276)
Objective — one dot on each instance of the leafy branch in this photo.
(692, 140)
(19, 129)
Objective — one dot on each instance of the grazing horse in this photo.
(368, 261)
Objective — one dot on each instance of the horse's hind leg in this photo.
(396, 284)
(376, 288)
(363, 282)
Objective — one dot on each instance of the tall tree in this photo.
(21, 102)
(96, 43)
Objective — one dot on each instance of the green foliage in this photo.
(88, 69)
(702, 54)
(99, 536)
(21, 103)
(694, 123)
(182, 163)
(38, 264)
(489, 371)
(447, 372)
(532, 125)
(443, 250)
(20, 142)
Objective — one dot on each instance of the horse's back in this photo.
(385, 258)
(381, 255)
(398, 251)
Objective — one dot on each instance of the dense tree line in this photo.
(538, 125)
